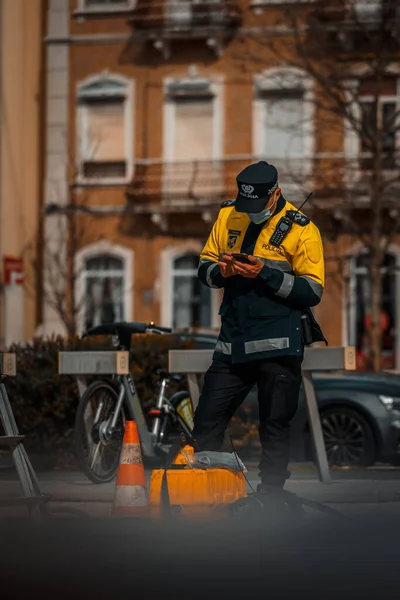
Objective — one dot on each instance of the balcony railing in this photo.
(195, 185)
(361, 17)
(176, 17)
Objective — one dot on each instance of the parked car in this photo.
(204, 340)
(360, 418)
(360, 414)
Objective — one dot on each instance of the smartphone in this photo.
(241, 257)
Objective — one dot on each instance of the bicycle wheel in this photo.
(98, 456)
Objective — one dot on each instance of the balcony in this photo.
(358, 28)
(366, 14)
(214, 21)
(200, 186)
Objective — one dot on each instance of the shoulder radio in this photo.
(285, 223)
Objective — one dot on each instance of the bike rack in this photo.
(196, 362)
(33, 497)
(83, 364)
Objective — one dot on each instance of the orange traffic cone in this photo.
(130, 494)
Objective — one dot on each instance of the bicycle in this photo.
(99, 433)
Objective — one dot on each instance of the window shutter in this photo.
(283, 127)
(192, 173)
(105, 129)
(193, 129)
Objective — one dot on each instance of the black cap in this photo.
(255, 184)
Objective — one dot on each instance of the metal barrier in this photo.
(196, 362)
(12, 440)
(93, 363)
(86, 363)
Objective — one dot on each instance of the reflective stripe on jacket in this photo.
(261, 317)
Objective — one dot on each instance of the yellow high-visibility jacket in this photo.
(261, 317)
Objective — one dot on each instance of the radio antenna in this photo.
(300, 207)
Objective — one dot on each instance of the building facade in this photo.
(21, 102)
(152, 108)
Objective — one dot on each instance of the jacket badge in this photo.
(232, 237)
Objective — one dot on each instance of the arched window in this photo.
(191, 300)
(103, 290)
(361, 285)
(105, 135)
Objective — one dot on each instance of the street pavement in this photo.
(350, 491)
(326, 555)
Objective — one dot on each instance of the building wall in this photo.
(81, 48)
(20, 47)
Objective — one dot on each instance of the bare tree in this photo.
(350, 50)
(53, 259)
(60, 272)
(64, 235)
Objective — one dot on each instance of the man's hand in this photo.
(227, 266)
(248, 270)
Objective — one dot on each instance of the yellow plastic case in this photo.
(196, 492)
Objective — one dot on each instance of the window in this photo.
(192, 140)
(360, 314)
(383, 120)
(375, 12)
(103, 290)
(193, 128)
(105, 134)
(283, 125)
(192, 301)
(367, 10)
(178, 12)
(183, 14)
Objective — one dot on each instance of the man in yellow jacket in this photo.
(260, 341)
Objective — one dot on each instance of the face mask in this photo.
(258, 218)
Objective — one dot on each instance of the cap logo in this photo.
(247, 191)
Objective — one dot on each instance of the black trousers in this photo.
(225, 388)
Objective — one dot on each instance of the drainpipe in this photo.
(2, 304)
(41, 167)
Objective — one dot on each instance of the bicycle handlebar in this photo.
(160, 330)
(123, 329)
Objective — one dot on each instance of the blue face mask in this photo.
(258, 218)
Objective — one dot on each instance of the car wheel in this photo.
(349, 439)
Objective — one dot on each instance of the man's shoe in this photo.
(278, 500)
(267, 488)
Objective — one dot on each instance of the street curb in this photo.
(334, 492)
(299, 468)
(76, 489)
(344, 492)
